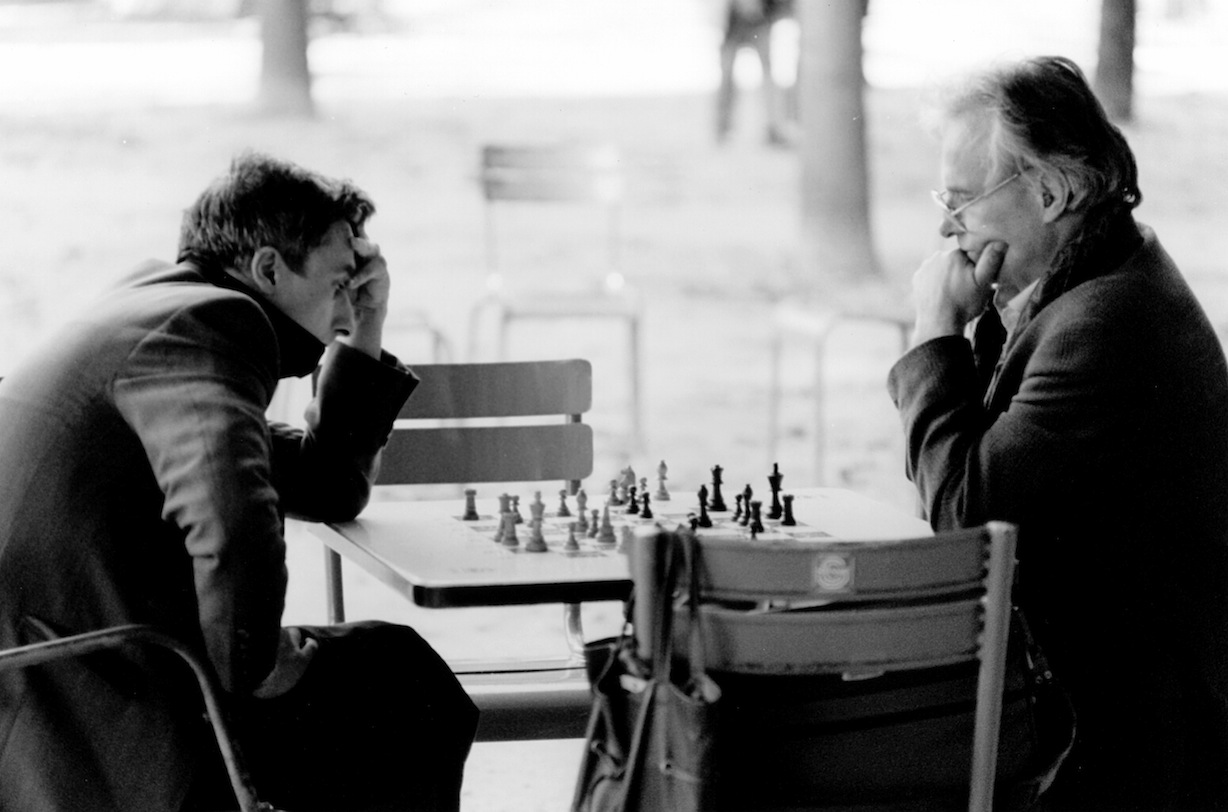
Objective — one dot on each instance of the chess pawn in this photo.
(537, 508)
(645, 508)
(737, 513)
(703, 520)
(633, 506)
(519, 519)
(606, 534)
(537, 541)
(747, 493)
(571, 545)
(756, 519)
(593, 524)
(563, 512)
(471, 507)
(614, 498)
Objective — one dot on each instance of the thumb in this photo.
(989, 263)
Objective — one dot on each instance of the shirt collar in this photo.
(1011, 310)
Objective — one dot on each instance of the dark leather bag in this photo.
(650, 743)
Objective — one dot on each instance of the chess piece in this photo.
(633, 506)
(519, 519)
(537, 540)
(788, 520)
(645, 507)
(746, 495)
(718, 501)
(592, 525)
(613, 498)
(626, 539)
(737, 513)
(537, 508)
(581, 514)
(606, 534)
(505, 506)
(662, 495)
(563, 512)
(756, 518)
(776, 510)
(509, 530)
(471, 506)
(703, 520)
(571, 545)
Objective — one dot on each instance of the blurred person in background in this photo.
(1089, 405)
(141, 483)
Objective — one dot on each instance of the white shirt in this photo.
(1010, 311)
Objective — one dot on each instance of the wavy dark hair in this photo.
(263, 201)
(1045, 115)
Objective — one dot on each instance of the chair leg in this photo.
(334, 593)
(636, 368)
(573, 625)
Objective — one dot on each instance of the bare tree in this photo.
(1114, 81)
(837, 240)
(285, 77)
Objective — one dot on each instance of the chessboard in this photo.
(574, 528)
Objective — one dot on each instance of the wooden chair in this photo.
(860, 610)
(572, 176)
(80, 645)
(445, 436)
(813, 327)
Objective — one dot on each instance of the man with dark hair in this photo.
(1090, 407)
(141, 483)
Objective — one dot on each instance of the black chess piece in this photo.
(645, 508)
(718, 501)
(756, 517)
(775, 511)
(563, 511)
(633, 506)
(746, 495)
(471, 509)
(704, 519)
(737, 511)
(788, 520)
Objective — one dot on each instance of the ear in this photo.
(265, 269)
(1057, 197)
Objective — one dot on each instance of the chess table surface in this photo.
(427, 552)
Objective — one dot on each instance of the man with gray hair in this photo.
(1089, 405)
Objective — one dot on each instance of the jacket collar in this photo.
(298, 351)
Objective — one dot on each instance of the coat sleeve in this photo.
(326, 472)
(970, 464)
(194, 391)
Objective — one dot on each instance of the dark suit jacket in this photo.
(1105, 437)
(140, 482)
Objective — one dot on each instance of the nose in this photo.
(950, 227)
(343, 316)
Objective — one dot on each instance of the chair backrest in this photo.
(57, 648)
(444, 434)
(864, 608)
(554, 173)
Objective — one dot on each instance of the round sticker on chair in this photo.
(832, 572)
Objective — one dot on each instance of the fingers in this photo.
(989, 264)
(370, 262)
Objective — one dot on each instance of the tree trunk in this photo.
(285, 78)
(836, 236)
(1114, 82)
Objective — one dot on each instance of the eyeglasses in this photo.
(943, 200)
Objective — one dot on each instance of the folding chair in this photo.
(776, 611)
(80, 645)
(814, 326)
(579, 177)
(445, 436)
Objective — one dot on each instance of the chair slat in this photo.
(836, 570)
(511, 389)
(840, 640)
(488, 454)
